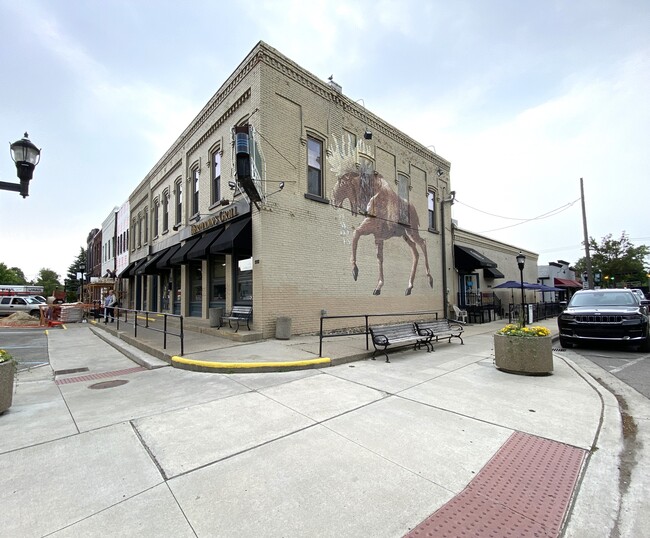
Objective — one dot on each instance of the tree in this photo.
(618, 261)
(12, 275)
(73, 284)
(49, 280)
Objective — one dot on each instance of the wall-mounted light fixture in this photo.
(280, 187)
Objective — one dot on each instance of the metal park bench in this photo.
(239, 314)
(440, 328)
(401, 334)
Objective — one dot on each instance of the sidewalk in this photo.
(359, 448)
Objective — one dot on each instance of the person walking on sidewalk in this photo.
(109, 306)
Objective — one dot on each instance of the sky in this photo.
(523, 97)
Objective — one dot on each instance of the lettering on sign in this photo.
(215, 220)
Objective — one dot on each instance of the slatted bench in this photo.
(239, 314)
(400, 334)
(440, 328)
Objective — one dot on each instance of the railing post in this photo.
(367, 331)
(182, 335)
(165, 331)
(320, 339)
(135, 324)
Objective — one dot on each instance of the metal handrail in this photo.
(366, 317)
(139, 313)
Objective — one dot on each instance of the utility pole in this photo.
(590, 275)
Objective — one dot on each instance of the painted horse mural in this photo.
(369, 194)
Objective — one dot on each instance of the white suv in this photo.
(14, 303)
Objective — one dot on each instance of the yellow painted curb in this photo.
(249, 365)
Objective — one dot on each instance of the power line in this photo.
(546, 215)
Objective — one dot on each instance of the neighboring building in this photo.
(345, 212)
(93, 262)
(481, 264)
(108, 245)
(561, 276)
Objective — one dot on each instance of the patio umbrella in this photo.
(517, 285)
(513, 284)
(544, 287)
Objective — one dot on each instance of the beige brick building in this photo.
(332, 178)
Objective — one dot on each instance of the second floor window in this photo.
(431, 204)
(216, 177)
(146, 226)
(314, 167)
(179, 202)
(195, 191)
(165, 210)
(156, 215)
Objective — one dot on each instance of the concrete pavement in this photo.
(359, 448)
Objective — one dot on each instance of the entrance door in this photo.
(469, 290)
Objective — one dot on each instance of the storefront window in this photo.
(176, 290)
(196, 288)
(218, 281)
(244, 284)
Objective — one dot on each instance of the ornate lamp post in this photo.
(521, 260)
(26, 156)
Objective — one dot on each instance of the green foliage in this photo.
(13, 275)
(73, 284)
(618, 261)
(49, 280)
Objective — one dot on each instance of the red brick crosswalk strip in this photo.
(102, 375)
(524, 490)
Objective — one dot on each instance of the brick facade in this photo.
(301, 244)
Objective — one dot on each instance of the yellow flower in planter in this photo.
(518, 330)
(5, 356)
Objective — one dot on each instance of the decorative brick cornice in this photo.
(291, 70)
(240, 101)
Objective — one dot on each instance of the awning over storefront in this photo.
(149, 267)
(237, 236)
(202, 247)
(127, 271)
(164, 261)
(181, 254)
(135, 266)
(566, 283)
(468, 258)
(492, 272)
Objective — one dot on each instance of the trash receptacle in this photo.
(215, 317)
(283, 328)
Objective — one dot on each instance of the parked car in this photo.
(613, 315)
(11, 304)
(639, 293)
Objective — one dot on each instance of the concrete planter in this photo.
(522, 355)
(7, 372)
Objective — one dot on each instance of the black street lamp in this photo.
(521, 260)
(26, 156)
(82, 268)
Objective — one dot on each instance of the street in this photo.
(627, 364)
(28, 346)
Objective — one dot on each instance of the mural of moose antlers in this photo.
(368, 193)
